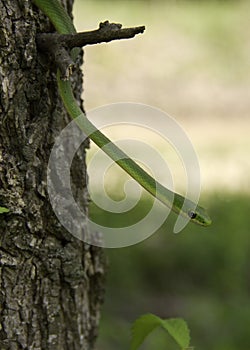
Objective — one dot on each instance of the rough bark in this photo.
(51, 283)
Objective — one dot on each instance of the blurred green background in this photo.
(193, 61)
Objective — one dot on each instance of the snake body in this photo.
(63, 24)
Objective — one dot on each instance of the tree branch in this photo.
(106, 32)
(57, 45)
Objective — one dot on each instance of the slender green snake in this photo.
(63, 24)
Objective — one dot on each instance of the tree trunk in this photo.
(51, 282)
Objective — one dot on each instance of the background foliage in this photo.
(192, 62)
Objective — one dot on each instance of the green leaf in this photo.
(141, 329)
(179, 330)
(3, 210)
(176, 327)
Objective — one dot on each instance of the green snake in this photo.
(63, 24)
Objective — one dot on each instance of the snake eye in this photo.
(192, 214)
